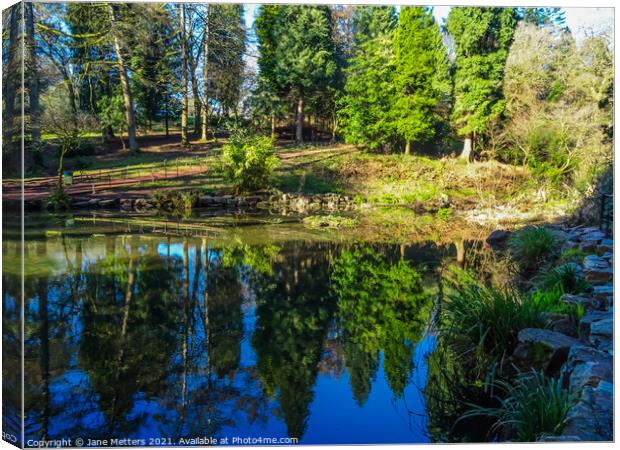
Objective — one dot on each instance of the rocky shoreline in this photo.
(277, 203)
(582, 352)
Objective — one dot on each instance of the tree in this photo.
(421, 76)
(369, 90)
(558, 105)
(124, 79)
(31, 64)
(482, 37)
(10, 74)
(300, 53)
(184, 98)
(542, 16)
(369, 94)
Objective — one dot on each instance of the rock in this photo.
(606, 246)
(543, 349)
(80, 205)
(597, 269)
(602, 334)
(569, 244)
(562, 323)
(108, 203)
(142, 205)
(588, 319)
(93, 201)
(588, 302)
(556, 438)
(588, 367)
(126, 203)
(604, 293)
(231, 202)
(497, 238)
(592, 418)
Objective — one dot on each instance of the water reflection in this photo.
(149, 336)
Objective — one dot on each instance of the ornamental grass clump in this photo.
(485, 319)
(533, 406)
(531, 246)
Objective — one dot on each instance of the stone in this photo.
(93, 201)
(108, 203)
(562, 323)
(597, 269)
(602, 334)
(556, 438)
(604, 293)
(588, 366)
(497, 238)
(569, 244)
(126, 203)
(606, 246)
(142, 204)
(588, 319)
(592, 417)
(80, 205)
(588, 302)
(543, 349)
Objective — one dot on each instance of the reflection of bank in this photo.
(138, 335)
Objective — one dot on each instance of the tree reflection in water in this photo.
(138, 336)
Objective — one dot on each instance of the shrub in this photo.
(248, 161)
(59, 200)
(444, 214)
(531, 246)
(535, 405)
(485, 317)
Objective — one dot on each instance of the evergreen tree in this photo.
(372, 21)
(482, 37)
(369, 91)
(298, 54)
(421, 74)
(369, 94)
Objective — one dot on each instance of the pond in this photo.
(134, 333)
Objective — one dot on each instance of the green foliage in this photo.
(330, 221)
(482, 36)
(369, 94)
(534, 405)
(421, 74)
(178, 202)
(59, 200)
(558, 109)
(382, 306)
(372, 21)
(566, 278)
(444, 214)
(531, 246)
(485, 318)
(248, 161)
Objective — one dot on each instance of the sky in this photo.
(581, 21)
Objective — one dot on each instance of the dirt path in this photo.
(111, 181)
(41, 187)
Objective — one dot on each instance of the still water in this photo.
(142, 335)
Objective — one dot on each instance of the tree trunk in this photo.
(12, 76)
(126, 89)
(184, 104)
(408, 147)
(205, 77)
(299, 129)
(166, 114)
(33, 78)
(466, 154)
(273, 126)
(197, 108)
